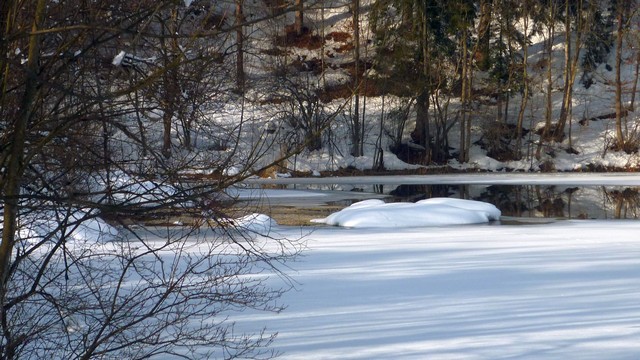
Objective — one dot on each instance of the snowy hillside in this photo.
(320, 85)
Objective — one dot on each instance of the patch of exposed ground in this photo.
(299, 216)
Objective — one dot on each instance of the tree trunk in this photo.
(620, 140)
(525, 79)
(463, 156)
(14, 169)
(484, 36)
(549, 105)
(558, 132)
(378, 155)
(635, 82)
(171, 86)
(356, 137)
(572, 57)
(240, 75)
(5, 25)
(299, 24)
(421, 134)
(468, 121)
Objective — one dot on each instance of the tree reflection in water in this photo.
(548, 201)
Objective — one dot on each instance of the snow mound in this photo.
(430, 212)
(128, 190)
(117, 60)
(81, 226)
(256, 223)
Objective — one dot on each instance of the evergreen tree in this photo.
(598, 43)
(419, 43)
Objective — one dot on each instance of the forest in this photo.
(123, 112)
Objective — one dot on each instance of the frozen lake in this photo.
(541, 289)
(567, 289)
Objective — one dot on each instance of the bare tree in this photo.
(622, 16)
(86, 100)
(582, 18)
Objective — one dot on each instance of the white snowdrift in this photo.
(256, 223)
(128, 190)
(81, 227)
(430, 212)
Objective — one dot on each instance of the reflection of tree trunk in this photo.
(617, 212)
(518, 199)
(465, 192)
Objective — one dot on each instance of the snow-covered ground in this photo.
(567, 289)
(402, 290)
(552, 290)
(501, 178)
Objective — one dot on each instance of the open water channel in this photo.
(520, 197)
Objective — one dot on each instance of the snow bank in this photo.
(126, 189)
(430, 212)
(257, 223)
(117, 60)
(81, 226)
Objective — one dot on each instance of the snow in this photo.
(393, 288)
(84, 227)
(500, 178)
(231, 171)
(255, 223)
(562, 290)
(394, 283)
(117, 60)
(126, 189)
(430, 212)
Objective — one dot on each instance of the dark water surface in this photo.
(529, 201)
(546, 201)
